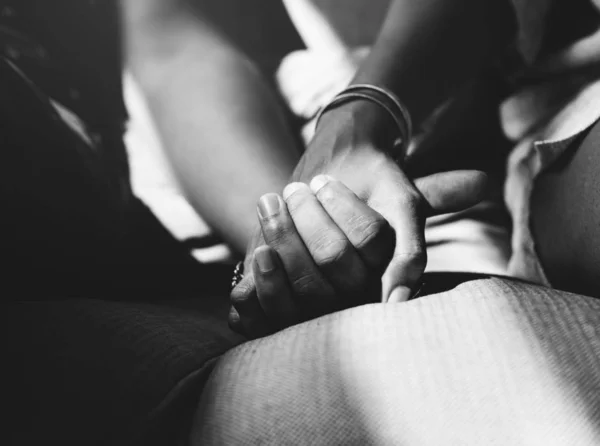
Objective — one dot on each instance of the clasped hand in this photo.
(326, 249)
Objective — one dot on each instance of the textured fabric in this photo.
(491, 362)
(79, 371)
(90, 372)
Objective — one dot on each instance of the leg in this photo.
(71, 226)
(489, 362)
(200, 87)
(565, 215)
(90, 372)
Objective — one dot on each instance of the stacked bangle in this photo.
(386, 100)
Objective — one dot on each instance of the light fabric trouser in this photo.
(490, 362)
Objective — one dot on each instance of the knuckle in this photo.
(414, 255)
(304, 284)
(277, 232)
(328, 252)
(366, 231)
(410, 199)
(242, 293)
(412, 261)
(401, 202)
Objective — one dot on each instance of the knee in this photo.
(295, 387)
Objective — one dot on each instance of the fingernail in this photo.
(264, 259)
(400, 294)
(269, 205)
(318, 182)
(292, 188)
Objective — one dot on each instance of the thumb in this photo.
(397, 199)
(406, 213)
(452, 191)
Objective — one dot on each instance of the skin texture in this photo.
(221, 100)
(326, 250)
(212, 106)
(425, 52)
(163, 42)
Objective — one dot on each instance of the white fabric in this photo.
(488, 363)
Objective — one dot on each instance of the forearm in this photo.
(426, 51)
(428, 48)
(221, 124)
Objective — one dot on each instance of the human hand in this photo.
(325, 250)
(350, 146)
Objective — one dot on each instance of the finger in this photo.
(452, 191)
(256, 240)
(234, 321)
(329, 247)
(252, 319)
(273, 290)
(367, 230)
(435, 194)
(401, 204)
(311, 291)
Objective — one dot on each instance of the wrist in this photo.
(353, 135)
(357, 124)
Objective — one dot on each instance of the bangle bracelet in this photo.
(400, 107)
(345, 97)
(386, 100)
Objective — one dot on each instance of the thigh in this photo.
(491, 362)
(90, 372)
(565, 217)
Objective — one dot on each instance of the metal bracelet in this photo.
(386, 100)
(401, 108)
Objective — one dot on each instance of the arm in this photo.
(426, 50)
(326, 250)
(429, 48)
(221, 125)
